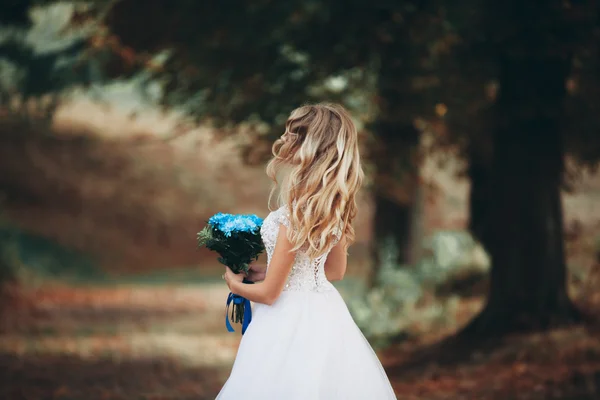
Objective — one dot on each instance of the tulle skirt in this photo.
(305, 346)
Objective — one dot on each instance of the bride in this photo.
(302, 343)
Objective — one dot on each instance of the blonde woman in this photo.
(302, 343)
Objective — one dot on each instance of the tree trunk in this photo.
(7, 272)
(525, 237)
(400, 49)
(479, 176)
(391, 234)
(395, 200)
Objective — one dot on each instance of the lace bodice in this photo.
(306, 275)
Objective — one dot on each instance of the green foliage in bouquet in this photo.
(235, 237)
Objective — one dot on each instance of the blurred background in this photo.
(125, 124)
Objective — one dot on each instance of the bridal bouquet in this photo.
(237, 240)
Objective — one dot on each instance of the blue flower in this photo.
(234, 223)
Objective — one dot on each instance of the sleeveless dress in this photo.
(306, 345)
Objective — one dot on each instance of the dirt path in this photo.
(116, 343)
(134, 342)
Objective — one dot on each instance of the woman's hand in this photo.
(231, 278)
(256, 272)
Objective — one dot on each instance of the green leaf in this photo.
(204, 236)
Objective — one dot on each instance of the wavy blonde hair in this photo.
(320, 157)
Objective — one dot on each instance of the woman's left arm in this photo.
(267, 291)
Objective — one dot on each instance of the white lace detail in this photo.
(306, 275)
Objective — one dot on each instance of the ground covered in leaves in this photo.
(561, 364)
(144, 342)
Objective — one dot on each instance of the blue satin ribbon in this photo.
(236, 299)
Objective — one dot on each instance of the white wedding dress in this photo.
(305, 346)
